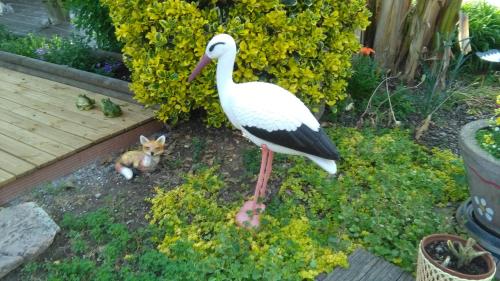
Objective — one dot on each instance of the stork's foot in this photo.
(249, 215)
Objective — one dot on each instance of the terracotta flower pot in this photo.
(430, 270)
(483, 176)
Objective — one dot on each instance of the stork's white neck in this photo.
(225, 65)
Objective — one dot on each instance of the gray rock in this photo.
(26, 230)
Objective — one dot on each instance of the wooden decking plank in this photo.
(25, 152)
(70, 140)
(67, 99)
(52, 121)
(384, 270)
(53, 105)
(35, 140)
(61, 124)
(5, 176)
(65, 92)
(406, 277)
(13, 164)
(360, 263)
(364, 266)
(18, 25)
(60, 112)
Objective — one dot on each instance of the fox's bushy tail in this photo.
(125, 171)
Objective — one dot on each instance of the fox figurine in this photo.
(144, 161)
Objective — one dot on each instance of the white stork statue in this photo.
(268, 115)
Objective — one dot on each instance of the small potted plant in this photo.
(480, 148)
(451, 258)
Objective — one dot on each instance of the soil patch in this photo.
(439, 251)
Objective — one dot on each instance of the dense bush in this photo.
(385, 198)
(305, 47)
(366, 75)
(93, 18)
(484, 29)
(484, 25)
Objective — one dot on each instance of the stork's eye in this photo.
(211, 48)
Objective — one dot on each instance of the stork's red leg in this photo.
(267, 174)
(248, 216)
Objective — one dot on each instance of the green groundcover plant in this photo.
(388, 195)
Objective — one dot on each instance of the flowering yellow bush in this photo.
(306, 48)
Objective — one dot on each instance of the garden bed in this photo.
(192, 148)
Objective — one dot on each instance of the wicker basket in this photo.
(428, 270)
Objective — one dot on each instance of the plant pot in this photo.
(430, 270)
(483, 176)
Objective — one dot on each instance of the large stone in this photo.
(26, 230)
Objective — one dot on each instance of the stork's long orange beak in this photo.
(203, 62)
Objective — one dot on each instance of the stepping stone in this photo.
(26, 230)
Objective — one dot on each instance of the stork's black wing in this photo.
(302, 139)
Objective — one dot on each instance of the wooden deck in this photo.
(40, 124)
(364, 266)
(31, 16)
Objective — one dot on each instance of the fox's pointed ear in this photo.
(161, 140)
(143, 139)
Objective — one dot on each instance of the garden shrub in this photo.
(384, 198)
(484, 29)
(366, 75)
(305, 47)
(93, 18)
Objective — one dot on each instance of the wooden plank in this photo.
(5, 176)
(360, 263)
(13, 164)
(66, 92)
(406, 277)
(50, 104)
(364, 266)
(29, 138)
(62, 113)
(17, 24)
(68, 164)
(41, 129)
(25, 152)
(52, 121)
(385, 270)
(66, 97)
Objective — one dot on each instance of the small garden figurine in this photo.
(110, 109)
(144, 160)
(271, 117)
(84, 103)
